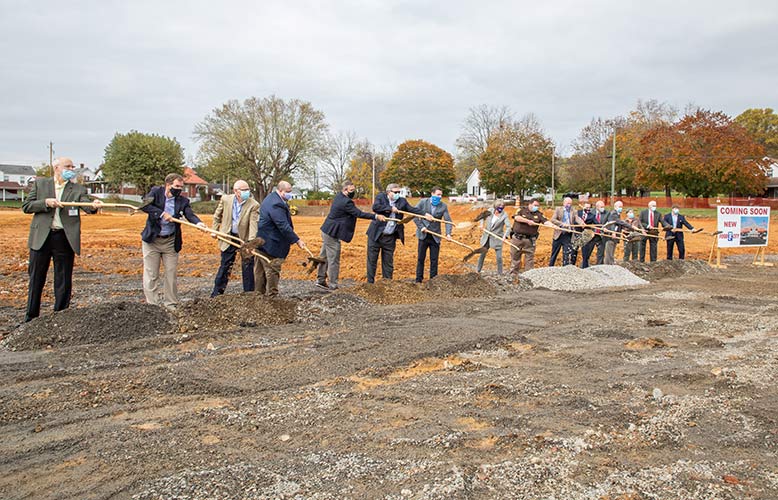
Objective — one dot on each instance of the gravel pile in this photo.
(571, 278)
(101, 323)
(653, 271)
(226, 312)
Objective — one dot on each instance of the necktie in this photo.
(650, 219)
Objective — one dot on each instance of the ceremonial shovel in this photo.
(244, 247)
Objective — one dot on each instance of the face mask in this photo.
(586, 210)
(675, 211)
(244, 195)
(618, 210)
(68, 175)
(176, 191)
(435, 200)
(602, 210)
(631, 215)
(351, 194)
(533, 208)
(287, 196)
(567, 207)
(499, 210)
(653, 209)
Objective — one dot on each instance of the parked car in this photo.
(463, 198)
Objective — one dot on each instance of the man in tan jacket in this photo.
(238, 215)
(564, 217)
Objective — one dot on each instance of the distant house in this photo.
(474, 185)
(193, 183)
(13, 180)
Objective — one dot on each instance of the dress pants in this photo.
(587, 250)
(428, 242)
(385, 246)
(162, 291)
(563, 243)
(651, 243)
(681, 248)
(223, 274)
(498, 255)
(267, 275)
(330, 251)
(58, 248)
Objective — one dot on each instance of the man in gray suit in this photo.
(55, 233)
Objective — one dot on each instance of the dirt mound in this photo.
(332, 303)
(388, 292)
(660, 269)
(233, 311)
(107, 322)
(460, 285)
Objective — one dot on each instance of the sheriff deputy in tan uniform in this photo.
(524, 234)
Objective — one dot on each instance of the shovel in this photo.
(712, 246)
(410, 215)
(497, 236)
(133, 208)
(230, 239)
(313, 260)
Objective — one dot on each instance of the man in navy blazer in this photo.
(162, 239)
(382, 236)
(276, 228)
(673, 224)
(339, 226)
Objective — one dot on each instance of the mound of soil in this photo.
(388, 292)
(660, 269)
(101, 323)
(460, 285)
(226, 312)
(332, 303)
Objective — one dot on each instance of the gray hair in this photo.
(392, 187)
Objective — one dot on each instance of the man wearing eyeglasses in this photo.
(236, 214)
(382, 236)
(55, 233)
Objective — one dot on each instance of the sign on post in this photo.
(743, 226)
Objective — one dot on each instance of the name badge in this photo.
(73, 212)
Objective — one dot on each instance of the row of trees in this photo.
(267, 140)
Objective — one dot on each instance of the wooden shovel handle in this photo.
(423, 217)
(425, 230)
(506, 241)
(209, 230)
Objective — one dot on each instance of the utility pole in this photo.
(51, 157)
(373, 158)
(613, 168)
(553, 190)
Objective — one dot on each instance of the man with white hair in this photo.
(651, 220)
(236, 214)
(564, 217)
(55, 233)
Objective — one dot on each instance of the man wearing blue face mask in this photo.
(673, 224)
(55, 233)
(236, 214)
(434, 206)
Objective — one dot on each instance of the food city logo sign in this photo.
(743, 226)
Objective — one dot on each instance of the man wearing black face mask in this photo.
(162, 239)
(339, 226)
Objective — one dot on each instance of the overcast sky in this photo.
(75, 73)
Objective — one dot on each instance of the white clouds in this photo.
(77, 72)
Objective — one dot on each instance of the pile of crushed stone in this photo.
(227, 312)
(571, 278)
(101, 323)
(660, 269)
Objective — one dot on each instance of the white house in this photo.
(474, 185)
(13, 179)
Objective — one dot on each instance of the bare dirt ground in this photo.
(466, 387)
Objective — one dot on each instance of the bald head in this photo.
(618, 204)
(240, 184)
(567, 203)
(284, 186)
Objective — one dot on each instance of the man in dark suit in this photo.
(276, 228)
(673, 224)
(161, 239)
(438, 209)
(339, 226)
(567, 218)
(597, 218)
(382, 236)
(55, 233)
(651, 220)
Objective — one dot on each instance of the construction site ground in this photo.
(466, 387)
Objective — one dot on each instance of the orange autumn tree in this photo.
(703, 154)
(420, 166)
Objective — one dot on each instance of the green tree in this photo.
(762, 125)
(420, 166)
(263, 140)
(142, 159)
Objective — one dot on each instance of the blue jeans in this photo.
(223, 275)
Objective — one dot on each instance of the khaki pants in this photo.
(160, 291)
(610, 250)
(527, 247)
(267, 275)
